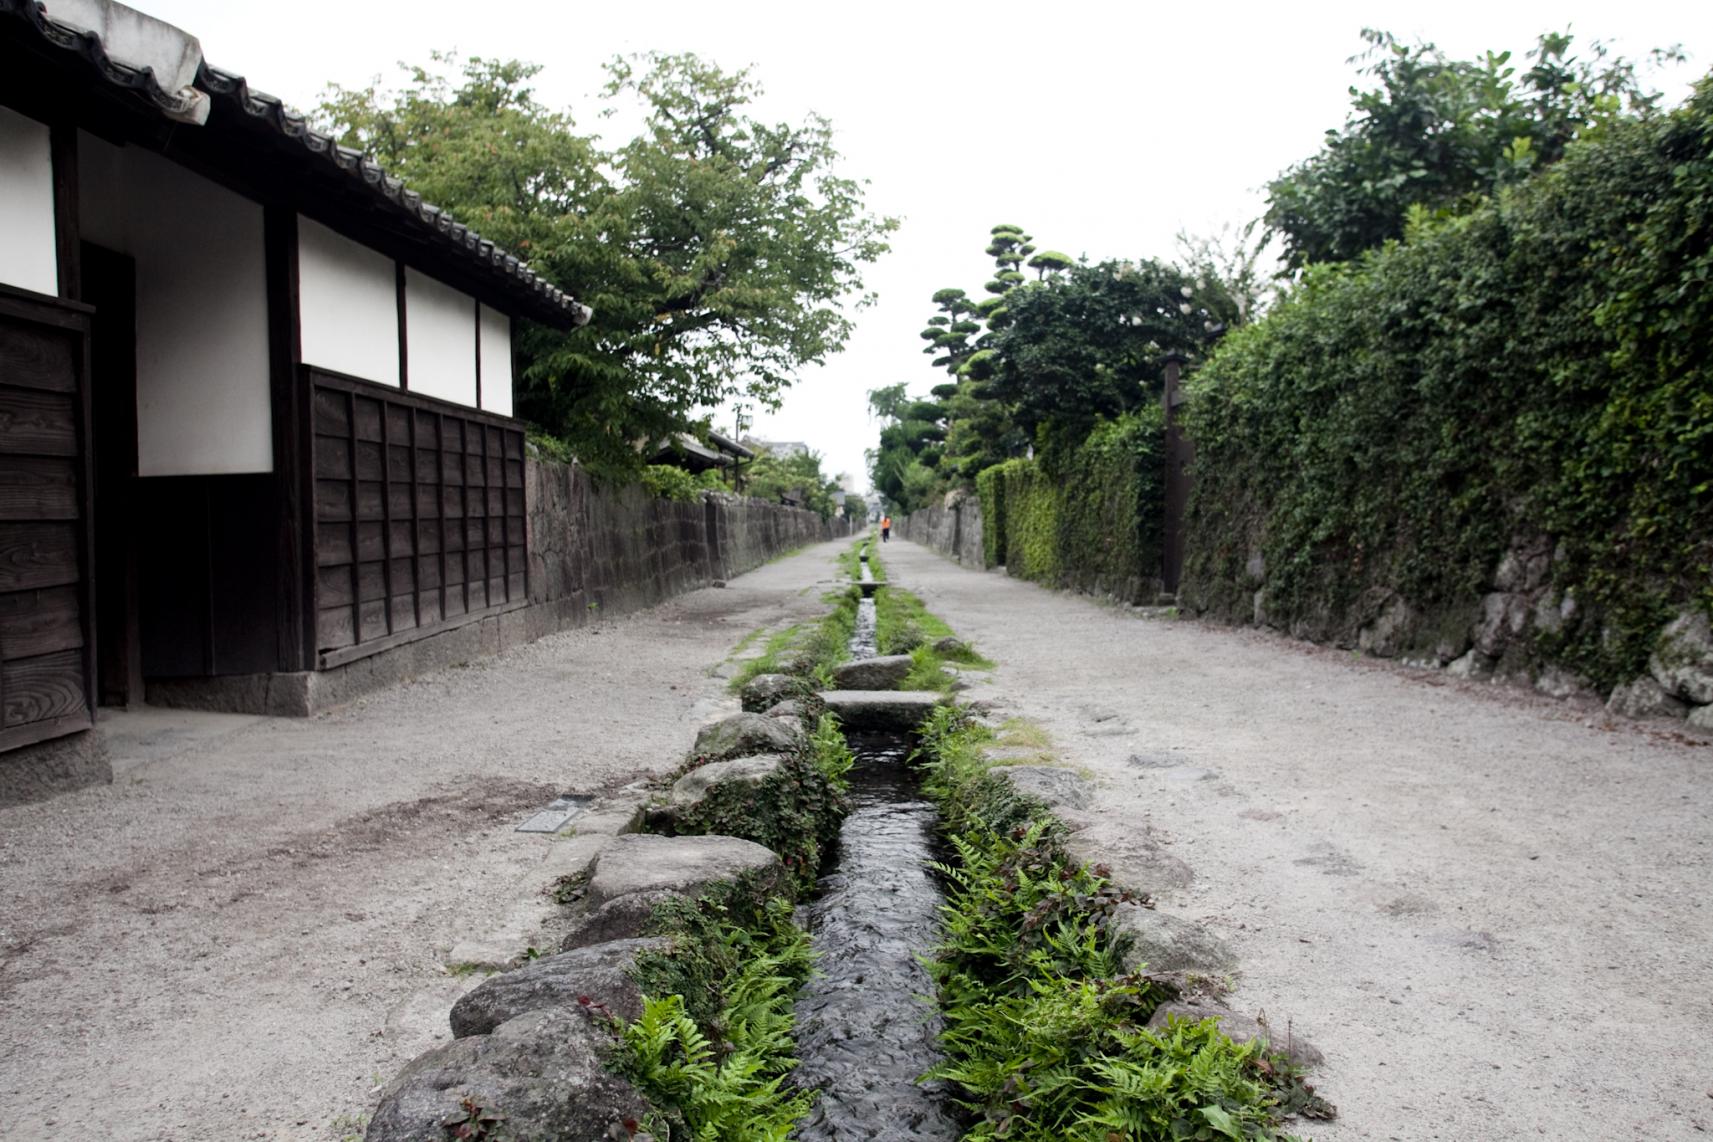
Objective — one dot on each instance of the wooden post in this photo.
(293, 441)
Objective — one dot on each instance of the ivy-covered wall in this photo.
(1089, 519)
(1491, 444)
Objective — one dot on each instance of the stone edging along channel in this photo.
(677, 909)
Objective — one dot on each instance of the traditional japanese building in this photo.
(255, 394)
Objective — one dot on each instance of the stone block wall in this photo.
(596, 549)
(952, 527)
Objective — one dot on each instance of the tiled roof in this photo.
(537, 296)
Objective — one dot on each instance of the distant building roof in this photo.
(242, 130)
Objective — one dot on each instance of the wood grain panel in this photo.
(35, 488)
(34, 555)
(37, 423)
(37, 358)
(40, 622)
(44, 687)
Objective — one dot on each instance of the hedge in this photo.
(1089, 520)
(1539, 370)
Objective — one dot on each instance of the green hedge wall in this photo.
(990, 489)
(1539, 369)
(1091, 519)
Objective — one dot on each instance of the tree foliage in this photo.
(795, 476)
(1437, 134)
(716, 249)
(1089, 344)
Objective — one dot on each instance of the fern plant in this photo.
(725, 1081)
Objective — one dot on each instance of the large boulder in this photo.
(1683, 664)
(881, 709)
(544, 1072)
(1049, 784)
(599, 973)
(623, 918)
(643, 862)
(1161, 942)
(1645, 698)
(791, 710)
(884, 673)
(694, 787)
(1238, 1028)
(743, 735)
(765, 690)
(1134, 858)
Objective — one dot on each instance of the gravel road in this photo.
(247, 931)
(1490, 910)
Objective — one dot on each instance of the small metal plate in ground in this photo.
(557, 815)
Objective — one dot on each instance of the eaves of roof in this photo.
(531, 294)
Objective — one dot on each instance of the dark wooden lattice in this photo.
(419, 516)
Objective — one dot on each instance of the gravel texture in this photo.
(1490, 910)
(244, 936)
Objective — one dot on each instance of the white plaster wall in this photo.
(347, 305)
(440, 339)
(496, 362)
(28, 258)
(203, 404)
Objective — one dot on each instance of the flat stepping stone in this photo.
(881, 709)
(643, 862)
(599, 973)
(624, 918)
(884, 673)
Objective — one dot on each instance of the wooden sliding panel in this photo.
(46, 631)
(419, 515)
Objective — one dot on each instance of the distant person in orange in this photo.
(885, 528)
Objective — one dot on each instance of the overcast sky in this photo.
(1104, 129)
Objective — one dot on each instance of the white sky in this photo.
(1101, 128)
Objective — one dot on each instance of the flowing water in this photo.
(865, 1031)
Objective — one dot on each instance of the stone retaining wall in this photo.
(952, 527)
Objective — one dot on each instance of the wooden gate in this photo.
(47, 659)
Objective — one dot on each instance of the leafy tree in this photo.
(1437, 134)
(1051, 261)
(795, 476)
(1088, 345)
(714, 248)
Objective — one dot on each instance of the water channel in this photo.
(865, 1029)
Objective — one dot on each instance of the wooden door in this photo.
(46, 626)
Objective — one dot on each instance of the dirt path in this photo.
(247, 931)
(1491, 911)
